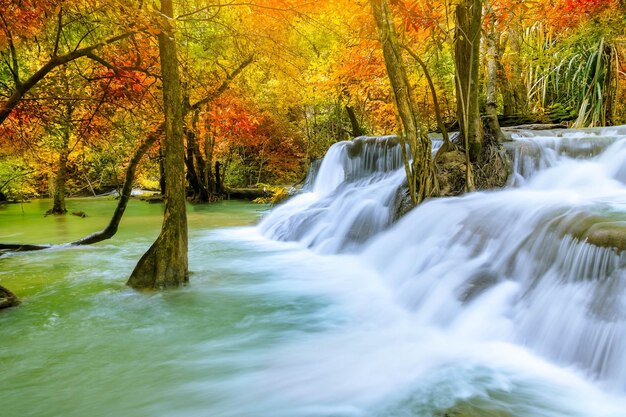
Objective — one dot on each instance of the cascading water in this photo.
(350, 199)
(508, 303)
(538, 267)
(537, 150)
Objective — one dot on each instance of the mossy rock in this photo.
(598, 230)
(606, 234)
(7, 298)
(274, 195)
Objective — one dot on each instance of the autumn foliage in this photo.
(268, 86)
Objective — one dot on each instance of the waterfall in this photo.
(351, 198)
(534, 151)
(539, 264)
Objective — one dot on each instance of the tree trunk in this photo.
(196, 167)
(219, 187)
(192, 176)
(58, 191)
(357, 130)
(162, 185)
(431, 85)
(165, 264)
(517, 102)
(419, 168)
(466, 61)
(492, 76)
(610, 86)
(209, 148)
(111, 229)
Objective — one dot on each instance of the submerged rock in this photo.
(606, 235)
(480, 282)
(7, 298)
(599, 230)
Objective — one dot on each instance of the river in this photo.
(493, 304)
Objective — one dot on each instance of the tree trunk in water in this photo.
(111, 229)
(420, 171)
(58, 190)
(165, 264)
(7, 298)
(466, 61)
(196, 169)
(492, 76)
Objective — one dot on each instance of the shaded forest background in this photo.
(268, 86)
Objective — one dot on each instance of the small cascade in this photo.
(309, 181)
(541, 264)
(351, 199)
(534, 151)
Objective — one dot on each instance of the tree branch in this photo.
(431, 85)
(14, 68)
(7, 107)
(220, 90)
(58, 34)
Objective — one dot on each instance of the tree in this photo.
(491, 119)
(30, 17)
(466, 60)
(165, 263)
(419, 168)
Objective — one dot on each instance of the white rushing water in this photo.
(351, 199)
(495, 303)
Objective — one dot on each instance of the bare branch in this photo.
(219, 90)
(59, 29)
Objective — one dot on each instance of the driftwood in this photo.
(538, 126)
(248, 193)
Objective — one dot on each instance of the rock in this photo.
(402, 203)
(600, 230)
(607, 235)
(480, 282)
(7, 298)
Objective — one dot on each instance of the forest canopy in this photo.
(268, 86)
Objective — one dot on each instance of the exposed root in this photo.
(493, 167)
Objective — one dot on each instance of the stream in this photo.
(508, 303)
